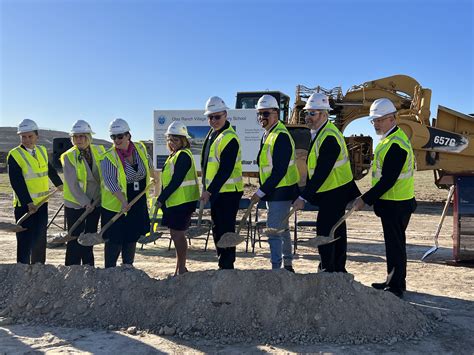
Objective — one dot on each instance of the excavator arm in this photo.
(445, 145)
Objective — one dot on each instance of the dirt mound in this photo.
(226, 306)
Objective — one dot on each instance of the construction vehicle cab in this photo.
(248, 99)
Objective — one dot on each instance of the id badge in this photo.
(136, 186)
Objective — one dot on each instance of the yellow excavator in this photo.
(444, 144)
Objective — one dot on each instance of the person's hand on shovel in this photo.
(255, 198)
(298, 204)
(32, 208)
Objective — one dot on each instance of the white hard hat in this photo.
(81, 126)
(177, 129)
(267, 101)
(215, 104)
(27, 125)
(119, 125)
(317, 101)
(381, 107)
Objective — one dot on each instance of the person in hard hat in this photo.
(29, 170)
(221, 168)
(393, 191)
(180, 190)
(125, 170)
(81, 167)
(279, 177)
(330, 184)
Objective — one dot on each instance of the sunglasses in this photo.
(313, 113)
(378, 120)
(215, 117)
(264, 114)
(117, 136)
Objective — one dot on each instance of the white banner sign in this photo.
(243, 121)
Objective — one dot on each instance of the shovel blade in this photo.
(90, 239)
(430, 251)
(321, 240)
(194, 232)
(229, 240)
(58, 238)
(149, 238)
(11, 227)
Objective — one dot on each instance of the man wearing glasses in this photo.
(221, 169)
(330, 184)
(392, 193)
(279, 177)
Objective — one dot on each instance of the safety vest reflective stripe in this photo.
(79, 165)
(188, 190)
(266, 158)
(34, 171)
(378, 172)
(404, 187)
(108, 199)
(234, 182)
(341, 172)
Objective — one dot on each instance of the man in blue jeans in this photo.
(278, 175)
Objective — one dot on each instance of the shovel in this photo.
(433, 249)
(323, 240)
(66, 237)
(198, 230)
(279, 231)
(17, 227)
(90, 239)
(153, 234)
(231, 239)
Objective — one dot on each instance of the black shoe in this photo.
(379, 285)
(396, 291)
(289, 268)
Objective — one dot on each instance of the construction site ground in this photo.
(436, 287)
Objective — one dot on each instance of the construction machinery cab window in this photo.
(249, 100)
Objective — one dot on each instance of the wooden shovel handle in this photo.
(245, 216)
(41, 203)
(121, 213)
(82, 218)
(201, 210)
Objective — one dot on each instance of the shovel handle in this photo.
(342, 219)
(201, 210)
(121, 213)
(82, 218)
(245, 216)
(445, 210)
(40, 203)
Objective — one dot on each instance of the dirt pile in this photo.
(224, 306)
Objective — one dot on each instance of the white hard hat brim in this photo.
(174, 134)
(209, 112)
(373, 117)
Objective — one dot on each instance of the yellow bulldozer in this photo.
(444, 144)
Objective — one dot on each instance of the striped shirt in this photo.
(109, 172)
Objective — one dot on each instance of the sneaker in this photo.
(289, 268)
(379, 285)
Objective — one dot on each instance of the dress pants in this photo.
(224, 209)
(31, 244)
(77, 254)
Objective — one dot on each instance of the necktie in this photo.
(33, 153)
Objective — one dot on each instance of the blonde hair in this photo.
(184, 142)
(88, 137)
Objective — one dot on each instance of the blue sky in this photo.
(98, 60)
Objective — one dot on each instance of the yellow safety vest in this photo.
(35, 172)
(108, 199)
(79, 165)
(341, 172)
(188, 191)
(265, 159)
(234, 183)
(404, 187)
